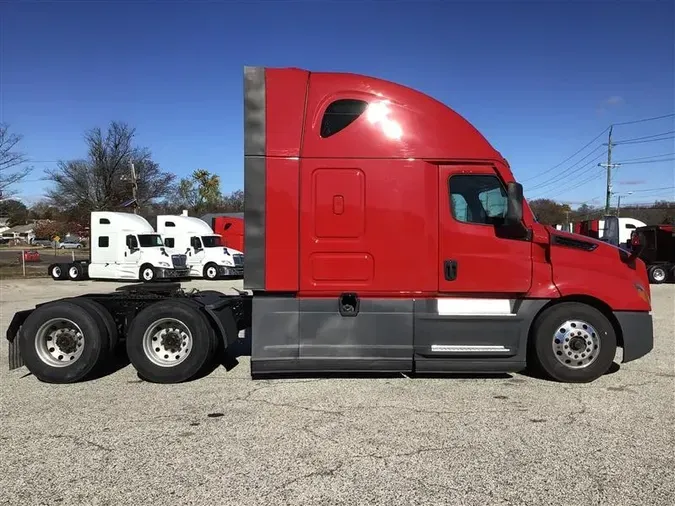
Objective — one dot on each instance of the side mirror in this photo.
(514, 207)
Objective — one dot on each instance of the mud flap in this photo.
(15, 360)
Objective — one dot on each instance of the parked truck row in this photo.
(654, 244)
(342, 172)
(124, 246)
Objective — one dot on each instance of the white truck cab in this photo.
(125, 246)
(626, 227)
(206, 255)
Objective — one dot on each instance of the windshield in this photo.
(212, 241)
(150, 240)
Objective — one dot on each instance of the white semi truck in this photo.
(124, 246)
(206, 256)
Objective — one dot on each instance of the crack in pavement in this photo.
(77, 440)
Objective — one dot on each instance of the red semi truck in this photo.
(231, 228)
(342, 173)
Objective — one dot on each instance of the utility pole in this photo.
(609, 166)
(618, 204)
(134, 187)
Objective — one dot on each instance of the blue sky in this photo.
(540, 79)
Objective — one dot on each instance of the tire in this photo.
(106, 319)
(215, 339)
(79, 246)
(170, 365)
(561, 327)
(74, 272)
(57, 272)
(210, 271)
(657, 274)
(147, 273)
(45, 364)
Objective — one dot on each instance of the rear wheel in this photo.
(210, 271)
(657, 274)
(56, 272)
(62, 342)
(106, 320)
(170, 342)
(572, 343)
(74, 272)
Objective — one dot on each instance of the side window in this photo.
(103, 241)
(479, 199)
(132, 242)
(104, 221)
(170, 224)
(195, 242)
(169, 242)
(340, 114)
(630, 225)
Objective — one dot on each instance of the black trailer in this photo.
(657, 243)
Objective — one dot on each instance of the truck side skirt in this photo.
(294, 335)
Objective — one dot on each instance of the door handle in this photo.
(450, 268)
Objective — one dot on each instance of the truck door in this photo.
(132, 252)
(476, 254)
(196, 254)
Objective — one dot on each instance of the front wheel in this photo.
(147, 273)
(657, 274)
(210, 271)
(572, 343)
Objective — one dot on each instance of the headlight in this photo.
(164, 264)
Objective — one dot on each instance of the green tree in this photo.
(15, 210)
(550, 212)
(200, 192)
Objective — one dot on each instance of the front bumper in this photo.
(167, 273)
(226, 270)
(637, 329)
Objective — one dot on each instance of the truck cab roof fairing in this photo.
(398, 122)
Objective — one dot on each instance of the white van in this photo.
(206, 256)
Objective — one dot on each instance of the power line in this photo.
(653, 189)
(645, 161)
(648, 157)
(569, 157)
(580, 183)
(644, 119)
(623, 143)
(568, 171)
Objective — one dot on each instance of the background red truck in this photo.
(343, 173)
(231, 228)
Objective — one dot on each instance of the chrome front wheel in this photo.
(576, 344)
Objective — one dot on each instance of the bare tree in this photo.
(101, 180)
(10, 160)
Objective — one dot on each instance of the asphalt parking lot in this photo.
(226, 439)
